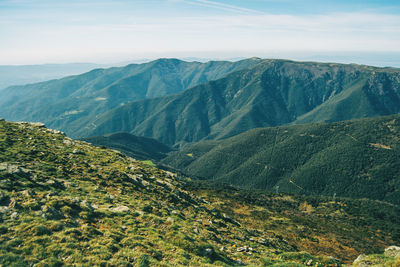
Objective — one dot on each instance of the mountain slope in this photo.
(352, 158)
(274, 92)
(69, 103)
(141, 148)
(65, 202)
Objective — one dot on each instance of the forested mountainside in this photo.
(271, 93)
(137, 147)
(71, 102)
(66, 202)
(357, 158)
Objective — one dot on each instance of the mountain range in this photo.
(179, 102)
(357, 158)
(74, 102)
(271, 93)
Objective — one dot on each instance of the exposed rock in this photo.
(208, 252)
(230, 220)
(68, 141)
(86, 204)
(14, 169)
(78, 152)
(120, 209)
(38, 124)
(244, 249)
(28, 193)
(14, 215)
(392, 251)
(55, 131)
(34, 124)
(359, 260)
(3, 209)
(145, 183)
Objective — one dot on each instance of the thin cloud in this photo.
(221, 6)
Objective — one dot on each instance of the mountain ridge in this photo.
(68, 103)
(356, 158)
(271, 93)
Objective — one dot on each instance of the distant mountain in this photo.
(65, 202)
(271, 93)
(24, 74)
(142, 148)
(358, 159)
(76, 101)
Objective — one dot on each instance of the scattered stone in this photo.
(14, 169)
(230, 220)
(309, 262)
(392, 251)
(3, 209)
(145, 183)
(86, 204)
(55, 131)
(38, 124)
(242, 249)
(208, 252)
(68, 141)
(14, 215)
(78, 152)
(359, 259)
(245, 249)
(120, 209)
(28, 193)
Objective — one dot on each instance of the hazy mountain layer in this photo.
(356, 159)
(76, 101)
(274, 92)
(24, 74)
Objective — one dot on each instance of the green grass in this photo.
(68, 202)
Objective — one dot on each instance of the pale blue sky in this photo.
(57, 31)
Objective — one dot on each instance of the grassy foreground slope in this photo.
(65, 202)
(358, 158)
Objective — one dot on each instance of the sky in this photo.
(105, 31)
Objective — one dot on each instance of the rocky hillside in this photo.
(271, 93)
(357, 158)
(66, 202)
